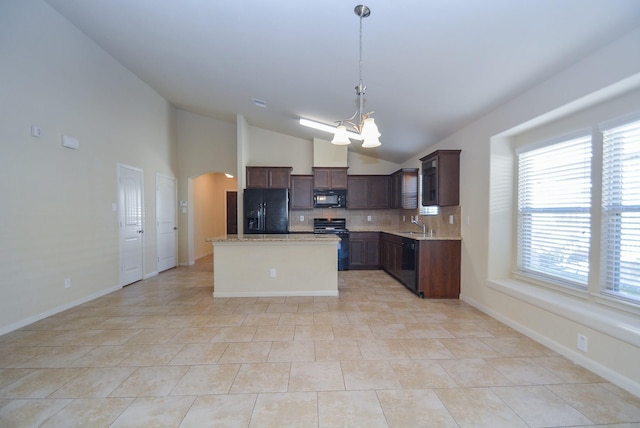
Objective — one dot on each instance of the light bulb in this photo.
(340, 138)
(370, 134)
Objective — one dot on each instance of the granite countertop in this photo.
(405, 234)
(420, 237)
(292, 237)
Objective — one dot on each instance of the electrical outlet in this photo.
(67, 283)
(451, 219)
(36, 131)
(273, 272)
(301, 218)
(583, 342)
(368, 218)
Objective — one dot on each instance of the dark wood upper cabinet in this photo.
(379, 191)
(404, 188)
(368, 192)
(330, 178)
(441, 178)
(268, 177)
(302, 192)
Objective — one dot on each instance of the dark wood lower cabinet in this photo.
(391, 254)
(437, 265)
(364, 250)
(439, 269)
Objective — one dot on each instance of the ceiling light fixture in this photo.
(363, 124)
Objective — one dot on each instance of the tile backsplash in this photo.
(358, 220)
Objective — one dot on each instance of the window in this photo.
(554, 203)
(620, 248)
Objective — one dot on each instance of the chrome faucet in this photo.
(419, 224)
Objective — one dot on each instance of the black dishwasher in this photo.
(408, 267)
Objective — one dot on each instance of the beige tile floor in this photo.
(163, 352)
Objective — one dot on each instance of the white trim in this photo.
(573, 355)
(619, 121)
(150, 275)
(571, 135)
(277, 294)
(56, 310)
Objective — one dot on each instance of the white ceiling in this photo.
(430, 66)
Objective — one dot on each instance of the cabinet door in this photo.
(441, 178)
(338, 178)
(395, 197)
(372, 251)
(329, 178)
(391, 254)
(321, 178)
(378, 191)
(257, 177)
(265, 177)
(430, 181)
(357, 192)
(279, 178)
(364, 250)
(302, 192)
(357, 252)
(439, 269)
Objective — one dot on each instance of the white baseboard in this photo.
(50, 312)
(277, 294)
(150, 275)
(578, 358)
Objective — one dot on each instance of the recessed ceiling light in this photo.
(259, 103)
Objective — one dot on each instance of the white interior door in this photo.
(166, 203)
(130, 194)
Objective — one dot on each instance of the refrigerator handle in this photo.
(261, 212)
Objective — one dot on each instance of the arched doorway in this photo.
(210, 195)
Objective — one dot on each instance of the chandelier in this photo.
(364, 126)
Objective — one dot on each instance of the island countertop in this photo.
(285, 237)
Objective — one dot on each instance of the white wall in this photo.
(486, 200)
(56, 220)
(205, 145)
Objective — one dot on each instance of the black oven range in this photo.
(336, 226)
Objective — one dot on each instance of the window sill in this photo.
(592, 314)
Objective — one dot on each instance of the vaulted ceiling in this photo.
(430, 66)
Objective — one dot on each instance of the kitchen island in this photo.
(299, 264)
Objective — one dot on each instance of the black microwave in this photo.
(329, 198)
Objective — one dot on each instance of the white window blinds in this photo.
(620, 253)
(554, 199)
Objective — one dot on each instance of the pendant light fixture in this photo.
(364, 124)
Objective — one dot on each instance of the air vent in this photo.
(259, 103)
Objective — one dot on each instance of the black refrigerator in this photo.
(266, 211)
